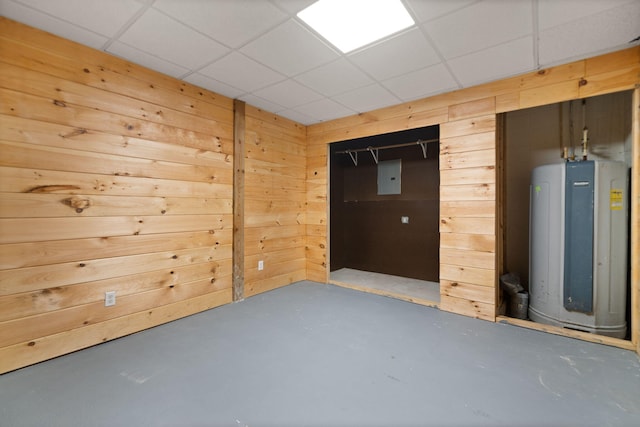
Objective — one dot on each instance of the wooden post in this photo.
(635, 221)
(238, 199)
(501, 211)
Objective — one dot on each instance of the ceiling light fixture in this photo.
(350, 24)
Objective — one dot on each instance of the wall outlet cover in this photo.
(109, 298)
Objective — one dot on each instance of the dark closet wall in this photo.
(366, 228)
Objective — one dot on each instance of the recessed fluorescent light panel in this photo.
(350, 24)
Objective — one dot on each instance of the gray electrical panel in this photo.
(389, 173)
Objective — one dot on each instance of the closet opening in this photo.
(568, 237)
(384, 214)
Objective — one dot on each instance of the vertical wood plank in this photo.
(238, 198)
(501, 211)
(635, 222)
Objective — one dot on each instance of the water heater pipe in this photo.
(585, 130)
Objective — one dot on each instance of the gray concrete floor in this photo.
(320, 355)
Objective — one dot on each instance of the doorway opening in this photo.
(384, 214)
(547, 140)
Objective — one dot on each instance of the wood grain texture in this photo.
(483, 294)
(465, 110)
(471, 241)
(112, 178)
(467, 307)
(565, 332)
(106, 161)
(275, 201)
(474, 142)
(635, 222)
(239, 144)
(33, 351)
(469, 158)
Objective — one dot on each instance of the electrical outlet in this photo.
(404, 219)
(109, 298)
(261, 265)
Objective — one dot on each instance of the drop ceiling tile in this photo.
(230, 22)
(288, 93)
(239, 71)
(508, 59)
(298, 117)
(294, 6)
(168, 39)
(142, 58)
(290, 49)
(261, 103)
(590, 35)
(333, 78)
(324, 109)
(402, 54)
(552, 13)
(480, 26)
(99, 16)
(426, 10)
(367, 98)
(422, 83)
(45, 22)
(213, 85)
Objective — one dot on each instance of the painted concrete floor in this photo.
(319, 355)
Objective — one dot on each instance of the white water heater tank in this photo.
(578, 246)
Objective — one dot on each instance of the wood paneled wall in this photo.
(470, 248)
(112, 178)
(117, 178)
(468, 214)
(274, 201)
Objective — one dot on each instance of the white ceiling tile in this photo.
(552, 13)
(426, 10)
(261, 103)
(239, 71)
(294, 6)
(230, 22)
(213, 85)
(325, 109)
(290, 49)
(43, 21)
(288, 93)
(333, 78)
(298, 117)
(393, 57)
(589, 35)
(509, 59)
(367, 98)
(480, 26)
(141, 58)
(421, 83)
(99, 16)
(168, 39)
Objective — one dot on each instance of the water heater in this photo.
(578, 246)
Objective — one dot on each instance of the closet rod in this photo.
(384, 147)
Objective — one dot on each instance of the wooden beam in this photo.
(238, 198)
(635, 222)
(571, 333)
(500, 209)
